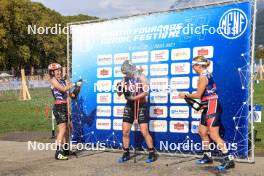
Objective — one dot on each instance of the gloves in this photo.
(74, 92)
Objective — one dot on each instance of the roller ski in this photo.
(227, 163)
(70, 153)
(125, 157)
(205, 160)
(151, 157)
(59, 155)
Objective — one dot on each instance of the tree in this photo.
(20, 49)
(260, 52)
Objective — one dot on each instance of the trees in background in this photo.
(260, 28)
(18, 48)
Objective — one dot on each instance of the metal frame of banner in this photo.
(253, 29)
(251, 157)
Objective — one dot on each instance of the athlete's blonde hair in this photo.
(201, 60)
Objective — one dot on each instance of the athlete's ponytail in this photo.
(208, 63)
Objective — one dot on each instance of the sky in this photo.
(118, 8)
(106, 8)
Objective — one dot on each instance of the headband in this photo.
(199, 63)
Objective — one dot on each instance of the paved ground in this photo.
(40, 136)
(15, 159)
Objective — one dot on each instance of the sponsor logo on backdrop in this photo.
(233, 23)
(159, 69)
(119, 111)
(105, 72)
(194, 127)
(174, 97)
(144, 68)
(103, 124)
(179, 126)
(104, 85)
(119, 58)
(117, 72)
(158, 126)
(179, 112)
(117, 124)
(196, 114)
(195, 82)
(104, 59)
(158, 111)
(159, 55)
(158, 97)
(119, 99)
(140, 57)
(181, 54)
(159, 83)
(203, 52)
(180, 68)
(103, 98)
(103, 111)
(206, 51)
(180, 82)
(190, 145)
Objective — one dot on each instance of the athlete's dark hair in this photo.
(51, 73)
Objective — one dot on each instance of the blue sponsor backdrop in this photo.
(94, 49)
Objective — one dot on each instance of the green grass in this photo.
(17, 115)
(259, 99)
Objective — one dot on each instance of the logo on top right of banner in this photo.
(233, 23)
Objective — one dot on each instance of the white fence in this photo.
(16, 84)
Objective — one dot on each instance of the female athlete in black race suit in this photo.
(59, 90)
(135, 78)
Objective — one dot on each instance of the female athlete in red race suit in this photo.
(210, 119)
